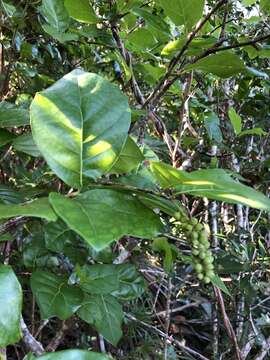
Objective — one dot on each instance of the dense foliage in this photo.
(134, 209)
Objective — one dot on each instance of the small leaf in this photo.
(54, 296)
(105, 314)
(223, 64)
(235, 120)
(25, 144)
(254, 131)
(81, 10)
(183, 12)
(131, 283)
(102, 216)
(212, 125)
(5, 137)
(72, 354)
(216, 280)
(10, 307)
(38, 208)
(12, 115)
(161, 244)
(265, 6)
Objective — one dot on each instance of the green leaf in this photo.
(153, 201)
(253, 131)
(12, 115)
(235, 120)
(86, 129)
(57, 234)
(105, 314)
(152, 19)
(131, 283)
(5, 137)
(98, 279)
(212, 125)
(223, 64)
(73, 355)
(216, 280)
(102, 216)
(56, 14)
(9, 195)
(25, 144)
(54, 296)
(130, 157)
(81, 10)
(161, 244)
(140, 39)
(183, 12)
(38, 208)
(214, 184)
(9, 9)
(265, 6)
(10, 307)
(62, 37)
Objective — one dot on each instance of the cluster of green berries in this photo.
(201, 254)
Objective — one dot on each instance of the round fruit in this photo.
(195, 252)
(198, 268)
(194, 221)
(198, 227)
(195, 243)
(200, 276)
(189, 228)
(202, 255)
(194, 235)
(177, 215)
(206, 280)
(210, 274)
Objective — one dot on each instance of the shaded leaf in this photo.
(212, 125)
(216, 280)
(25, 144)
(12, 115)
(102, 216)
(131, 283)
(5, 137)
(54, 296)
(105, 314)
(130, 157)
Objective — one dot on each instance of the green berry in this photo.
(189, 228)
(208, 259)
(210, 274)
(177, 215)
(194, 221)
(202, 255)
(195, 243)
(209, 267)
(195, 252)
(206, 280)
(200, 276)
(198, 268)
(194, 235)
(198, 227)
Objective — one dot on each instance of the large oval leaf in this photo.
(80, 125)
(214, 184)
(101, 216)
(10, 307)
